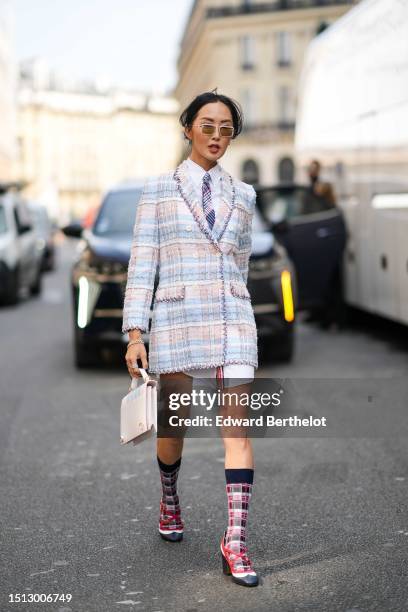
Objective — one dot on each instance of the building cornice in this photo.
(269, 7)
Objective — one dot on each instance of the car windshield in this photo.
(277, 204)
(41, 218)
(258, 223)
(118, 213)
(3, 224)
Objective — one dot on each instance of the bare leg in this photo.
(238, 448)
(170, 449)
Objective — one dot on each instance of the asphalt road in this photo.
(328, 528)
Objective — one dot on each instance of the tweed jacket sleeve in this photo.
(245, 238)
(143, 262)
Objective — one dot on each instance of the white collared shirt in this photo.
(197, 174)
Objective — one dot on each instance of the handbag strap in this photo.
(135, 379)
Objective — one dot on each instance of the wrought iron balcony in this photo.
(284, 63)
(268, 127)
(268, 6)
(247, 66)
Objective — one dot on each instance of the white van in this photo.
(353, 118)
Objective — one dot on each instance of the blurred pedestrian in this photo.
(196, 222)
(320, 188)
(332, 314)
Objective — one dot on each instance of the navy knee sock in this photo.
(164, 467)
(238, 475)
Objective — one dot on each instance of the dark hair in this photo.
(189, 114)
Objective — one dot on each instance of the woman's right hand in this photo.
(133, 353)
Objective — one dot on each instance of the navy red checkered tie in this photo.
(207, 203)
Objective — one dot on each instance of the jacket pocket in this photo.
(239, 290)
(170, 294)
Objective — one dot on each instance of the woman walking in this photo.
(194, 226)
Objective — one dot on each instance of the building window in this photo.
(390, 200)
(323, 25)
(286, 110)
(250, 172)
(248, 106)
(283, 51)
(247, 52)
(286, 170)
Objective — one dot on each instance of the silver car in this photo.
(20, 257)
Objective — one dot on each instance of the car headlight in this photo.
(270, 264)
(261, 265)
(101, 270)
(112, 268)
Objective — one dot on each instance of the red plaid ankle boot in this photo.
(234, 552)
(171, 526)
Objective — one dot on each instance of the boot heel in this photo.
(225, 567)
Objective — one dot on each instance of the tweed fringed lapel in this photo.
(225, 210)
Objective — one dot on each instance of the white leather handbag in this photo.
(138, 411)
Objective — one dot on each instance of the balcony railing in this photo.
(268, 126)
(247, 66)
(284, 63)
(267, 7)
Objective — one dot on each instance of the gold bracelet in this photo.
(138, 341)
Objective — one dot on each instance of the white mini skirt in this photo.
(234, 373)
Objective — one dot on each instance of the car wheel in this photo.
(50, 263)
(85, 356)
(11, 296)
(286, 347)
(36, 287)
(278, 348)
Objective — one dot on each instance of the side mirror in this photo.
(24, 228)
(73, 230)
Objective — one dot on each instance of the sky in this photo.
(130, 42)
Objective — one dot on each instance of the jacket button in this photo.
(189, 228)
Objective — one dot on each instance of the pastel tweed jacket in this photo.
(202, 313)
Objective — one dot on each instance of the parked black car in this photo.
(99, 276)
(313, 232)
